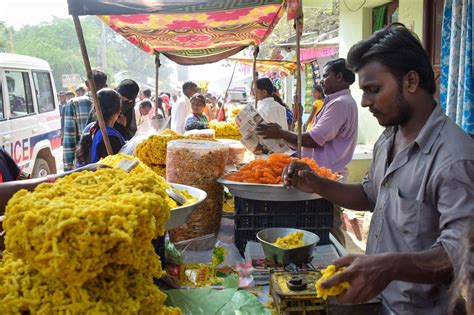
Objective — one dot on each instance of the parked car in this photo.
(30, 125)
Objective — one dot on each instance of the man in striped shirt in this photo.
(76, 115)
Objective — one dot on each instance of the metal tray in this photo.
(265, 191)
(180, 215)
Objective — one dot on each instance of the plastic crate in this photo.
(251, 216)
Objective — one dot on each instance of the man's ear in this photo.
(412, 81)
(339, 77)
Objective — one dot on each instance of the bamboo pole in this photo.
(254, 69)
(157, 84)
(298, 21)
(90, 78)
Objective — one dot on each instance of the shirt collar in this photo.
(334, 95)
(430, 131)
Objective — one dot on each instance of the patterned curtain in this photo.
(457, 82)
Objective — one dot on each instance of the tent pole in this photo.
(298, 24)
(90, 78)
(157, 76)
(254, 69)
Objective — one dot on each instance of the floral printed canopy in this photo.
(186, 31)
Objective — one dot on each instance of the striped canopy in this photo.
(186, 31)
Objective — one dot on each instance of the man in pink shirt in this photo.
(332, 139)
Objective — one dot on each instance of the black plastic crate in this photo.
(252, 216)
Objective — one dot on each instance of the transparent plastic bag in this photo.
(236, 151)
(201, 133)
(195, 162)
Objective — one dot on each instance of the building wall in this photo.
(355, 26)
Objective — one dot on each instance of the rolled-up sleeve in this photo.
(455, 203)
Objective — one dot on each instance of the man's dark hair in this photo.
(266, 85)
(100, 78)
(189, 85)
(398, 49)
(146, 103)
(128, 88)
(339, 66)
(147, 93)
(110, 105)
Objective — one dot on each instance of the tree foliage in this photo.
(56, 42)
(317, 20)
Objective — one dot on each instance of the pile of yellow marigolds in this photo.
(225, 130)
(82, 245)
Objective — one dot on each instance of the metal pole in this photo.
(298, 21)
(157, 84)
(254, 69)
(90, 78)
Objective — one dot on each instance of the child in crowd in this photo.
(197, 120)
(91, 147)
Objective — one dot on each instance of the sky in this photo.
(17, 13)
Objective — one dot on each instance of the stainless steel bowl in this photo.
(281, 256)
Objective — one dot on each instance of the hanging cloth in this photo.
(457, 84)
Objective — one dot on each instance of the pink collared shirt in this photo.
(335, 132)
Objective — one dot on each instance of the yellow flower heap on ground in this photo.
(290, 241)
(332, 291)
(225, 130)
(83, 244)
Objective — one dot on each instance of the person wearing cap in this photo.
(76, 116)
(126, 123)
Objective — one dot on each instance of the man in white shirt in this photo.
(182, 108)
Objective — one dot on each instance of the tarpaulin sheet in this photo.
(188, 32)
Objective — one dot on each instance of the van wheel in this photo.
(41, 168)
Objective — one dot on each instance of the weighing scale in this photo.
(295, 293)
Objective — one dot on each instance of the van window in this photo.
(2, 110)
(44, 91)
(19, 91)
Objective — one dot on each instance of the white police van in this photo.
(30, 124)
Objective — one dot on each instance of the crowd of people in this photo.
(125, 109)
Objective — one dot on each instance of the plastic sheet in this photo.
(195, 162)
(236, 151)
(201, 133)
(204, 301)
